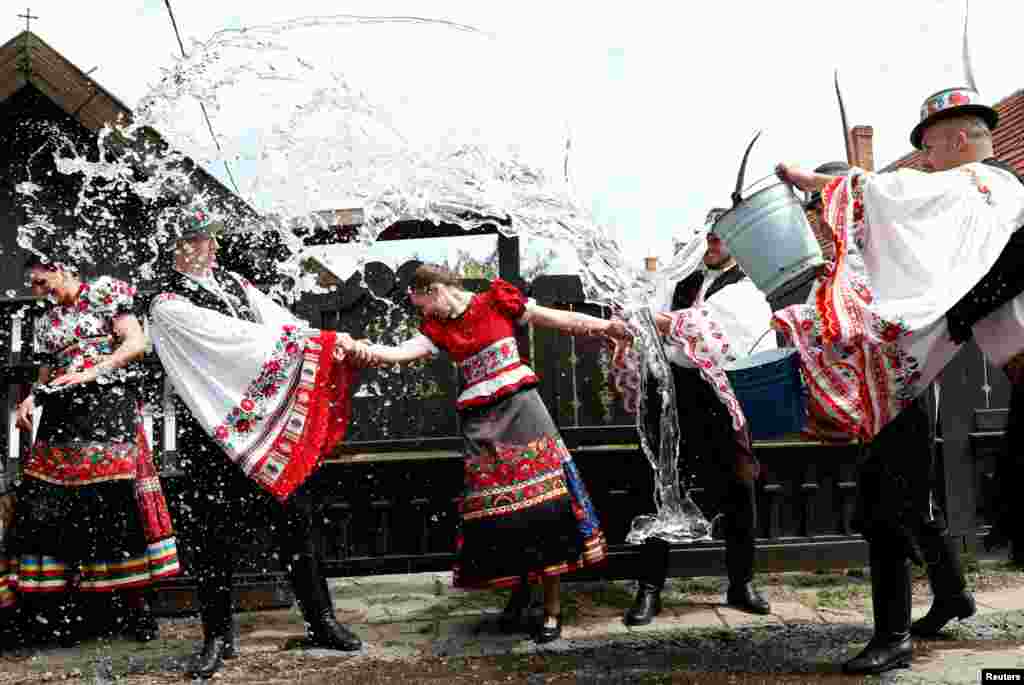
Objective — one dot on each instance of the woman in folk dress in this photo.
(90, 515)
(525, 513)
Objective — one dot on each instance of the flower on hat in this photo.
(959, 99)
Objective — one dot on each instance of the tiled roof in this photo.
(1007, 139)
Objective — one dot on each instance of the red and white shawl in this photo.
(274, 395)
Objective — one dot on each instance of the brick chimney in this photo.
(861, 139)
(651, 263)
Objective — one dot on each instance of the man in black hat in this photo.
(224, 501)
(709, 436)
(897, 510)
(896, 514)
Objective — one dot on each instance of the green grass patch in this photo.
(845, 597)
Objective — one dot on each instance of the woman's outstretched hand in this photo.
(355, 351)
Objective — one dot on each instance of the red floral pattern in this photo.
(857, 374)
(701, 339)
(258, 400)
(514, 477)
(94, 463)
(501, 355)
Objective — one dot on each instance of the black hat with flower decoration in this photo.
(954, 102)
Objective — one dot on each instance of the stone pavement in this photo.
(817, 621)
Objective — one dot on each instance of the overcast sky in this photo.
(660, 98)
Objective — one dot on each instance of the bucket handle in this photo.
(754, 183)
(770, 330)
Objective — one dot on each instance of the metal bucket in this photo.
(771, 239)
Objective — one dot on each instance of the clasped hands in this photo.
(356, 352)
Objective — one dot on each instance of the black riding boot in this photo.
(653, 570)
(949, 588)
(740, 523)
(218, 640)
(313, 595)
(890, 647)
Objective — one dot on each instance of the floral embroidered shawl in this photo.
(271, 394)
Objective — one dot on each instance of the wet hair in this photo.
(427, 275)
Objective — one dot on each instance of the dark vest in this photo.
(688, 289)
(185, 287)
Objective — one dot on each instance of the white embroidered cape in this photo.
(271, 394)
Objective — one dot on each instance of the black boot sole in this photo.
(630, 619)
(875, 670)
(928, 631)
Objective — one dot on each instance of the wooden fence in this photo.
(396, 480)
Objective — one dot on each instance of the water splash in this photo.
(307, 136)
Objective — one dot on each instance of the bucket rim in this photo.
(762, 358)
(732, 209)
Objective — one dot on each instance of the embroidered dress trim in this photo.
(508, 382)
(34, 573)
(82, 464)
(314, 421)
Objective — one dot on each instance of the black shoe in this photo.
(547, 634)
(210, 659)
(746, 598)
(326, 632)
(645, 607)
(942, 612)
(880, 656)
(514, 617)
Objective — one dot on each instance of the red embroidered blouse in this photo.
(482, 342)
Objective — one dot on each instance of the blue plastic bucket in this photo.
(771, 391)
